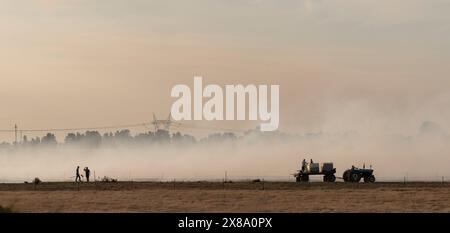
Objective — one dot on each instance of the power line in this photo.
(76, 129)
(145, 124)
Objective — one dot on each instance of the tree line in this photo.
(95, 139)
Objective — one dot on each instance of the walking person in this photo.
(77, 175)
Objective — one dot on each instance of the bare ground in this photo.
(230, 197)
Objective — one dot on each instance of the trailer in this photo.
(327, 170)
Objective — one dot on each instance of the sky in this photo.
(376, 67)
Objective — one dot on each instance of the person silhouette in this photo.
(304, 164)
(87, 173)
(77, 175)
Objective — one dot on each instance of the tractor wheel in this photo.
(355, 177)
(372, 179)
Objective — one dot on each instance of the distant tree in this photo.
(220, 137)
(49, 139)
(162, 136)
(92, 138)
(123, 136)
(35, 141)
(108, 139)
(125, 133)
(178, 138)
(145, 138)
(70, 138)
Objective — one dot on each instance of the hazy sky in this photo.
(341, 65)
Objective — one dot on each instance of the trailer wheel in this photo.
(329, 178)
(298, 179)
(332, 178)
(355, 177)
(305, 178)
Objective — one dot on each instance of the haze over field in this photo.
(368, 78)
(254, 156)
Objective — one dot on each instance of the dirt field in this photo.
(230, 197)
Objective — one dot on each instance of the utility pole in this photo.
(15, 134)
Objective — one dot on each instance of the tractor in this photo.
(355, 174)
